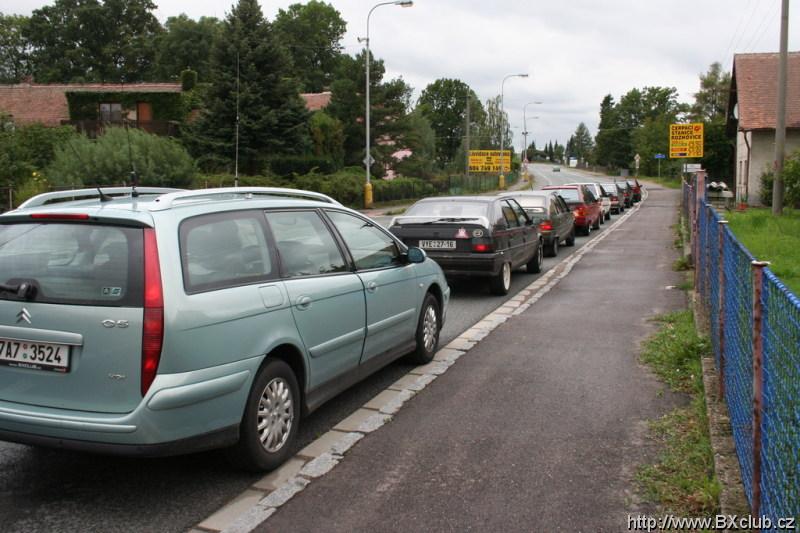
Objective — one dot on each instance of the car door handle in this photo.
(303, 303)
(372, 286)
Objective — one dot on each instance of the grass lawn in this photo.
(670, 183)
(773, 239)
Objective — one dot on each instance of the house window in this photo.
(111, 112)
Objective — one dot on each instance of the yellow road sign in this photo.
(686, 140)
(489, 160)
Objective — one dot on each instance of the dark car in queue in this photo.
(627, 193)
(473, 236)
(616, 196)
(551, 214)
(583, 203)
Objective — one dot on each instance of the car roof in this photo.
(554, 187)
(123, 206)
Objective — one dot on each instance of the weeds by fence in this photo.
(755, 335)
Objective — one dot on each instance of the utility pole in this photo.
(466, 141)
(780, 126)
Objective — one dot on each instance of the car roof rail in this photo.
(168, 200)
(86, 194)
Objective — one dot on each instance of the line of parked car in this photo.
(491, 236)
(163, 321)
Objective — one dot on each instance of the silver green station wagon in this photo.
(163, 321)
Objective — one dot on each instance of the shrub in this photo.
(28, 149)
(791, 182)
(287, 165)
(159, 161)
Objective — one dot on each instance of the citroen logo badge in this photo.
(24, 316)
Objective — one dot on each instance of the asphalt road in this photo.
(50, 491)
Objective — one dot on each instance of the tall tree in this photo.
(14, 49)
(420, 139)
(582, 144)
(75, 40)
(444, 104)
(389, 102)
(185, 44)
(711, 101)
(312, 33)
(489, 132)
(272, 116)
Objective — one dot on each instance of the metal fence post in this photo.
(721, 305)
(758, 380)
(707, 208)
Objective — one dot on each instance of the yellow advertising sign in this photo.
(686, 140)
(489, 160)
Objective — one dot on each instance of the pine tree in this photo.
(272, 115)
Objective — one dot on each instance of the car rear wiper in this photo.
(24, 290)
(449, 219)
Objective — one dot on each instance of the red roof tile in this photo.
(316, 101)
(756, 78)
(47, 104)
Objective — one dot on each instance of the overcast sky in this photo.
(575, 51)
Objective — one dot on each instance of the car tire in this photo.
(570, 241)
(501, 283)
(276, 385)
(429, 326)
(597, 222)
(602, 218)
(534, 266)
(552, 250)
(608, 215)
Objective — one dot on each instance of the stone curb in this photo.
(322, 455)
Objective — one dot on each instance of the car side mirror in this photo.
(416, 255)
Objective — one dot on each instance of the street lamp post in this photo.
(368, 156)
(501, 183)
(525, 137)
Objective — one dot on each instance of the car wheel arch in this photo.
(292, 356)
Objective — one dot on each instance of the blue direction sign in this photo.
(660, 156)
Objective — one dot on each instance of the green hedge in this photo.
(84, 105)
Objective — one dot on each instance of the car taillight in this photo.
(546, 226)
(481, 247)
(60, 216)
(580, 211)
(153, 320)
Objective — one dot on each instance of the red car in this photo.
(583, 203)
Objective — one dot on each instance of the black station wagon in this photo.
(473, 236)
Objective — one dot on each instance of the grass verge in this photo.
(669, 183)
(682, 481)
(773, 239)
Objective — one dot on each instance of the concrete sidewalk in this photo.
(539, 427)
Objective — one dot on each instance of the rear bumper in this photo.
(181, 413)
(469, 264)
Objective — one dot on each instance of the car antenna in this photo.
(103, 196)
(134, 175)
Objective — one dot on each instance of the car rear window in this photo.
(77, 264)
(530, 201)
(448, 209)
(569, 195)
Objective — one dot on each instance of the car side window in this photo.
(224, 250)
(508, 214)
(563, 204)
(589, 196)
(305, 244)
(521, 216)
(370, 247)
(555, 209)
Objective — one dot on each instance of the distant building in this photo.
(752, 108)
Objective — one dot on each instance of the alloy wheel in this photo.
(275, 414)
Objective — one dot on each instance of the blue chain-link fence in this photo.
(779, 437)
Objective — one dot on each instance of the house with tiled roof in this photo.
(155, 107)
(752, 112)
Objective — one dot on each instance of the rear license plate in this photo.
(438, 245)
(34, 355)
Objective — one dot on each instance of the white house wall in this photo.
(761, 157)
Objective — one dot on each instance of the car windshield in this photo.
(569, 195)
(448, 209)
(530, 201)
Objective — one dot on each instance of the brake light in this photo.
(153, 320)
(546, 226)
(481, 248)
(60, 216)
(580, 211)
